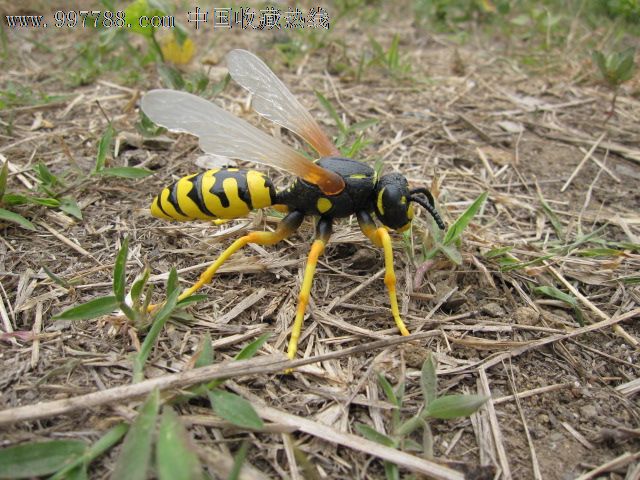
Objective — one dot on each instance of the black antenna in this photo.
(428, 205)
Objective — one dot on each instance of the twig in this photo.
(351, 293)
(68, 242)
(616, 328)
(291, 458)
(6, 321)
(629, 388)
(621, 461)
(532, 392)
(231, 369)
(534, 457)
(37, 328)
(485, 136)
(411, 462)
(578, 436)
(490, 361)
(583, 161)
(495, 427)
(241, 307)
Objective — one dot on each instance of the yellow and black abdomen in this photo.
(220, 193)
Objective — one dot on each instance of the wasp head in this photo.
(393, 202)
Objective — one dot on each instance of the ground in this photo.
(562, 174)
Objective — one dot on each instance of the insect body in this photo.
(332, 187)
(215, 194)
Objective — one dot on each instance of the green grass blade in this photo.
(238, 460)
(171, 77)
(175, 455)
(600, 252)
(391, 471)
(45, 176)
(372, 434)
(172, 282)
(399, 391)
(160, 319)
(44, 201)
(191, 299)
(429, 379)
(452, 253)
(388, 390)
(498, 252)
(601, 63)
(91, 309)
(103, 148)
(4, 174)
(245, 354)
(454, 406)
(326, 104)
(205, 352)
(70, 206)
(626, 66)
(409, 426)
(138, 286)
(234, 409)
(103, 444)
(393, 58)
(250, 350)
(551, 215)
(15, 199)
(379, 51)
(56, 279)
(15, 218)
(135, 453)
(455, 230)
(220, 86)
(363, 125)
(120, 271)
(36, 459)
(126, 172)
(79, 472)
(553, 292)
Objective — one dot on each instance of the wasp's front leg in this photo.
(380, 237)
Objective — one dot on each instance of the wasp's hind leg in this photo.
(286, 227)
(380, 237)
(323, 232)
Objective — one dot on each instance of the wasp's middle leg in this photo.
(380, 237)
(285, 228)
(323, 232)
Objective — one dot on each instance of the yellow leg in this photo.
(323, 232)
(303, 299)
(390, 278)
(380, 237)
(286, 227)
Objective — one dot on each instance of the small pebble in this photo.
(492, 309)
(526, 316)
(588, 411)
(555, 437)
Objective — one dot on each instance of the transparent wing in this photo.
(222, 133)
(274, 101)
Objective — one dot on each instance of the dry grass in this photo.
(564, 396)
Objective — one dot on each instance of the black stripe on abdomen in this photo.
(195, 194)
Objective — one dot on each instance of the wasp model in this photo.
(331, 187)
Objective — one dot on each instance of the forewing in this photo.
(222, 133)
(274, 101)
